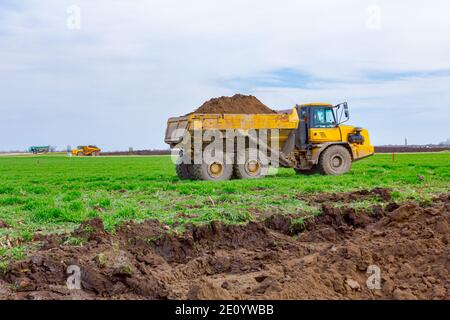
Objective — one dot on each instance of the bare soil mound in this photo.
(383, 194)
(328, 258)
(235, 105)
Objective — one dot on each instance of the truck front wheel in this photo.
(335, 160)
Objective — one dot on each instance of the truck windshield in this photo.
(323, 118)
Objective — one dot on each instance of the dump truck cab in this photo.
(321, 126)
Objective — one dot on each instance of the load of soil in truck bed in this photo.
(236, 104)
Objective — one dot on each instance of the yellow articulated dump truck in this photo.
(86, 151)
(309, 138)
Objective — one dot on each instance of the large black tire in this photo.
(214, 171)
(307, 172)
(253, 167)
(335, 160)
(185, 171)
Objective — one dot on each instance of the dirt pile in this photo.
(358, 195)
(236, 104)
(330, 257)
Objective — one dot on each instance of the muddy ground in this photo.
(279, 257)
(236, 104)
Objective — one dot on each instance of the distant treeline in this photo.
(136, 153)
(390, 149)
(378, 149)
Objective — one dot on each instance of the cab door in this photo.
(323, 126)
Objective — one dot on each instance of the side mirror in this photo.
(346, 110)
(342, 114)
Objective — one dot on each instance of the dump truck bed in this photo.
(176, 127)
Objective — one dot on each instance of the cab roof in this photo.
(316, 104)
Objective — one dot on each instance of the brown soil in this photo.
(236, 104)
(327, 258)
(382, 194)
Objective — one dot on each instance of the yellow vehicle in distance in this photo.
(86, 151)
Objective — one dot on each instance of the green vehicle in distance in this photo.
(39, 149)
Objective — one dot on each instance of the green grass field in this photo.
(47, 194)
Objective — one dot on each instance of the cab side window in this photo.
(323, 118)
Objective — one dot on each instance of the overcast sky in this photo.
(111, 72)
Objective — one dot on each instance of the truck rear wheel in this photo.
(335, 160)
(214, 169)
(254, 166)
(185, 171)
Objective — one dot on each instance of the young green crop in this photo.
(53, 194)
